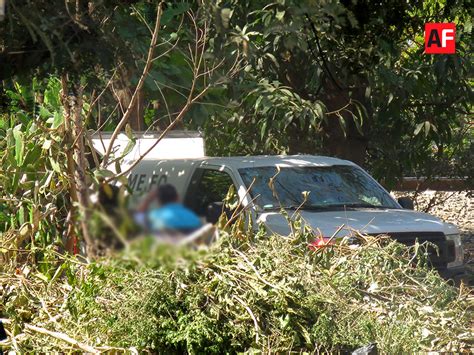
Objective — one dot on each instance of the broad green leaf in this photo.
(172, 11)
(41, 276)
(3, 217)
(129, 131)
(32, 154)
(390, 98)
(118, 168)
(280, 15)
(226, 14)
(319, 109)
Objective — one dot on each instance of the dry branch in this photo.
(139, 86)
(57, 335)
(200, 72)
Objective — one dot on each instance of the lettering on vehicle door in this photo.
(140, 183)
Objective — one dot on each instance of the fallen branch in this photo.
(57, 335)
(249, 311)
(64, 337)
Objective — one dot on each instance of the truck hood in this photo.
(370, 221)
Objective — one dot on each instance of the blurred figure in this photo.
(171, 217)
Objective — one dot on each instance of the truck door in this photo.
(207, 191)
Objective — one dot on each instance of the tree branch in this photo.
(139, 86)
(323, 59)
(197, 60)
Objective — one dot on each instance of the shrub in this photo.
(271, 294)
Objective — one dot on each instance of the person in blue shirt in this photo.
(171, 217)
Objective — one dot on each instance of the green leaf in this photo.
(44, 113)
(55, 165)
(3, 217)
(390, 98)
(273, 59)
(279, 15)
(226, 14)
(342, 122)
(41, 276)
(173, 11)
(128, 148)
(418, 128)
(129, 131)
(19, 145)
(427, 128)
(319, 110)
(33, 127)
(58, 120)
(287, 92)
(33, 154)
(103, 173)
(118, 168)
(263, 129)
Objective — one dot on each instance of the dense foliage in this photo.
(349, 78)
(343, 78)
(260, 294)
(33, 177)
(346, 78)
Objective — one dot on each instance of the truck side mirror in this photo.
(406, 203)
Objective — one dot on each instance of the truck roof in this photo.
(239, 162)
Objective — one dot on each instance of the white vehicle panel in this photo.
(368, 221)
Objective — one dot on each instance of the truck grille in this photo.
(438, 259)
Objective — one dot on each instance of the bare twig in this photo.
(197, 57)
(255, 323)
(321, 55)
(139, 86)
(57, 335)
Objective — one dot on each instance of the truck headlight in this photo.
(458, 250)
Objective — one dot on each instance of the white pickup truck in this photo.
(340, 193)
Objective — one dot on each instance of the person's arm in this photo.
(146, 202)
(140, 214)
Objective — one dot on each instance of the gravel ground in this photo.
(451, 206)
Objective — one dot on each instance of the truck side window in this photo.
(207, 186)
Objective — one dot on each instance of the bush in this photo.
(272, 294)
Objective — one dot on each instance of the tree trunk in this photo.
(80, 176)
(70, 233)
(76, 165)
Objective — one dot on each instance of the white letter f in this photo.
(444, 37)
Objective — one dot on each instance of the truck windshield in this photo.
(329, 187)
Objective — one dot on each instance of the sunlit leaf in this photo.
(19, 146)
